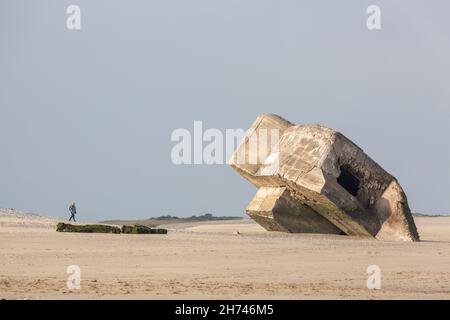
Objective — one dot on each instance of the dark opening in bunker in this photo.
(348, 181)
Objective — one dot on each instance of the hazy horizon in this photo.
(87, 115)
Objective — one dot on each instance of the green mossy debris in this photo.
(139, 229)
(100, 228)
(89, 228)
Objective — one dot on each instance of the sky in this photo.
(87, 115)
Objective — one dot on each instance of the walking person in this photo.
(73, 211)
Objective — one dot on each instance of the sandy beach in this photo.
(219, 260)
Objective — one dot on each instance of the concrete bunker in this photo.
(315, 180)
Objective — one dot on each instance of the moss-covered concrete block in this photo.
(90, 228)
(140, 229)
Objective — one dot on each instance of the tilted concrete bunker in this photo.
(313, 179)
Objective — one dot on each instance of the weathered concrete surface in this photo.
(313, 179)
(275, 209)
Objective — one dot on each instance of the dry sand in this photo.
(213, 261)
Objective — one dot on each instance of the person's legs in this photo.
(72, 217)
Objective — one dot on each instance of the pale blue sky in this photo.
(87, 115)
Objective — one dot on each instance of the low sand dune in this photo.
(25, 221)
(219, 260)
